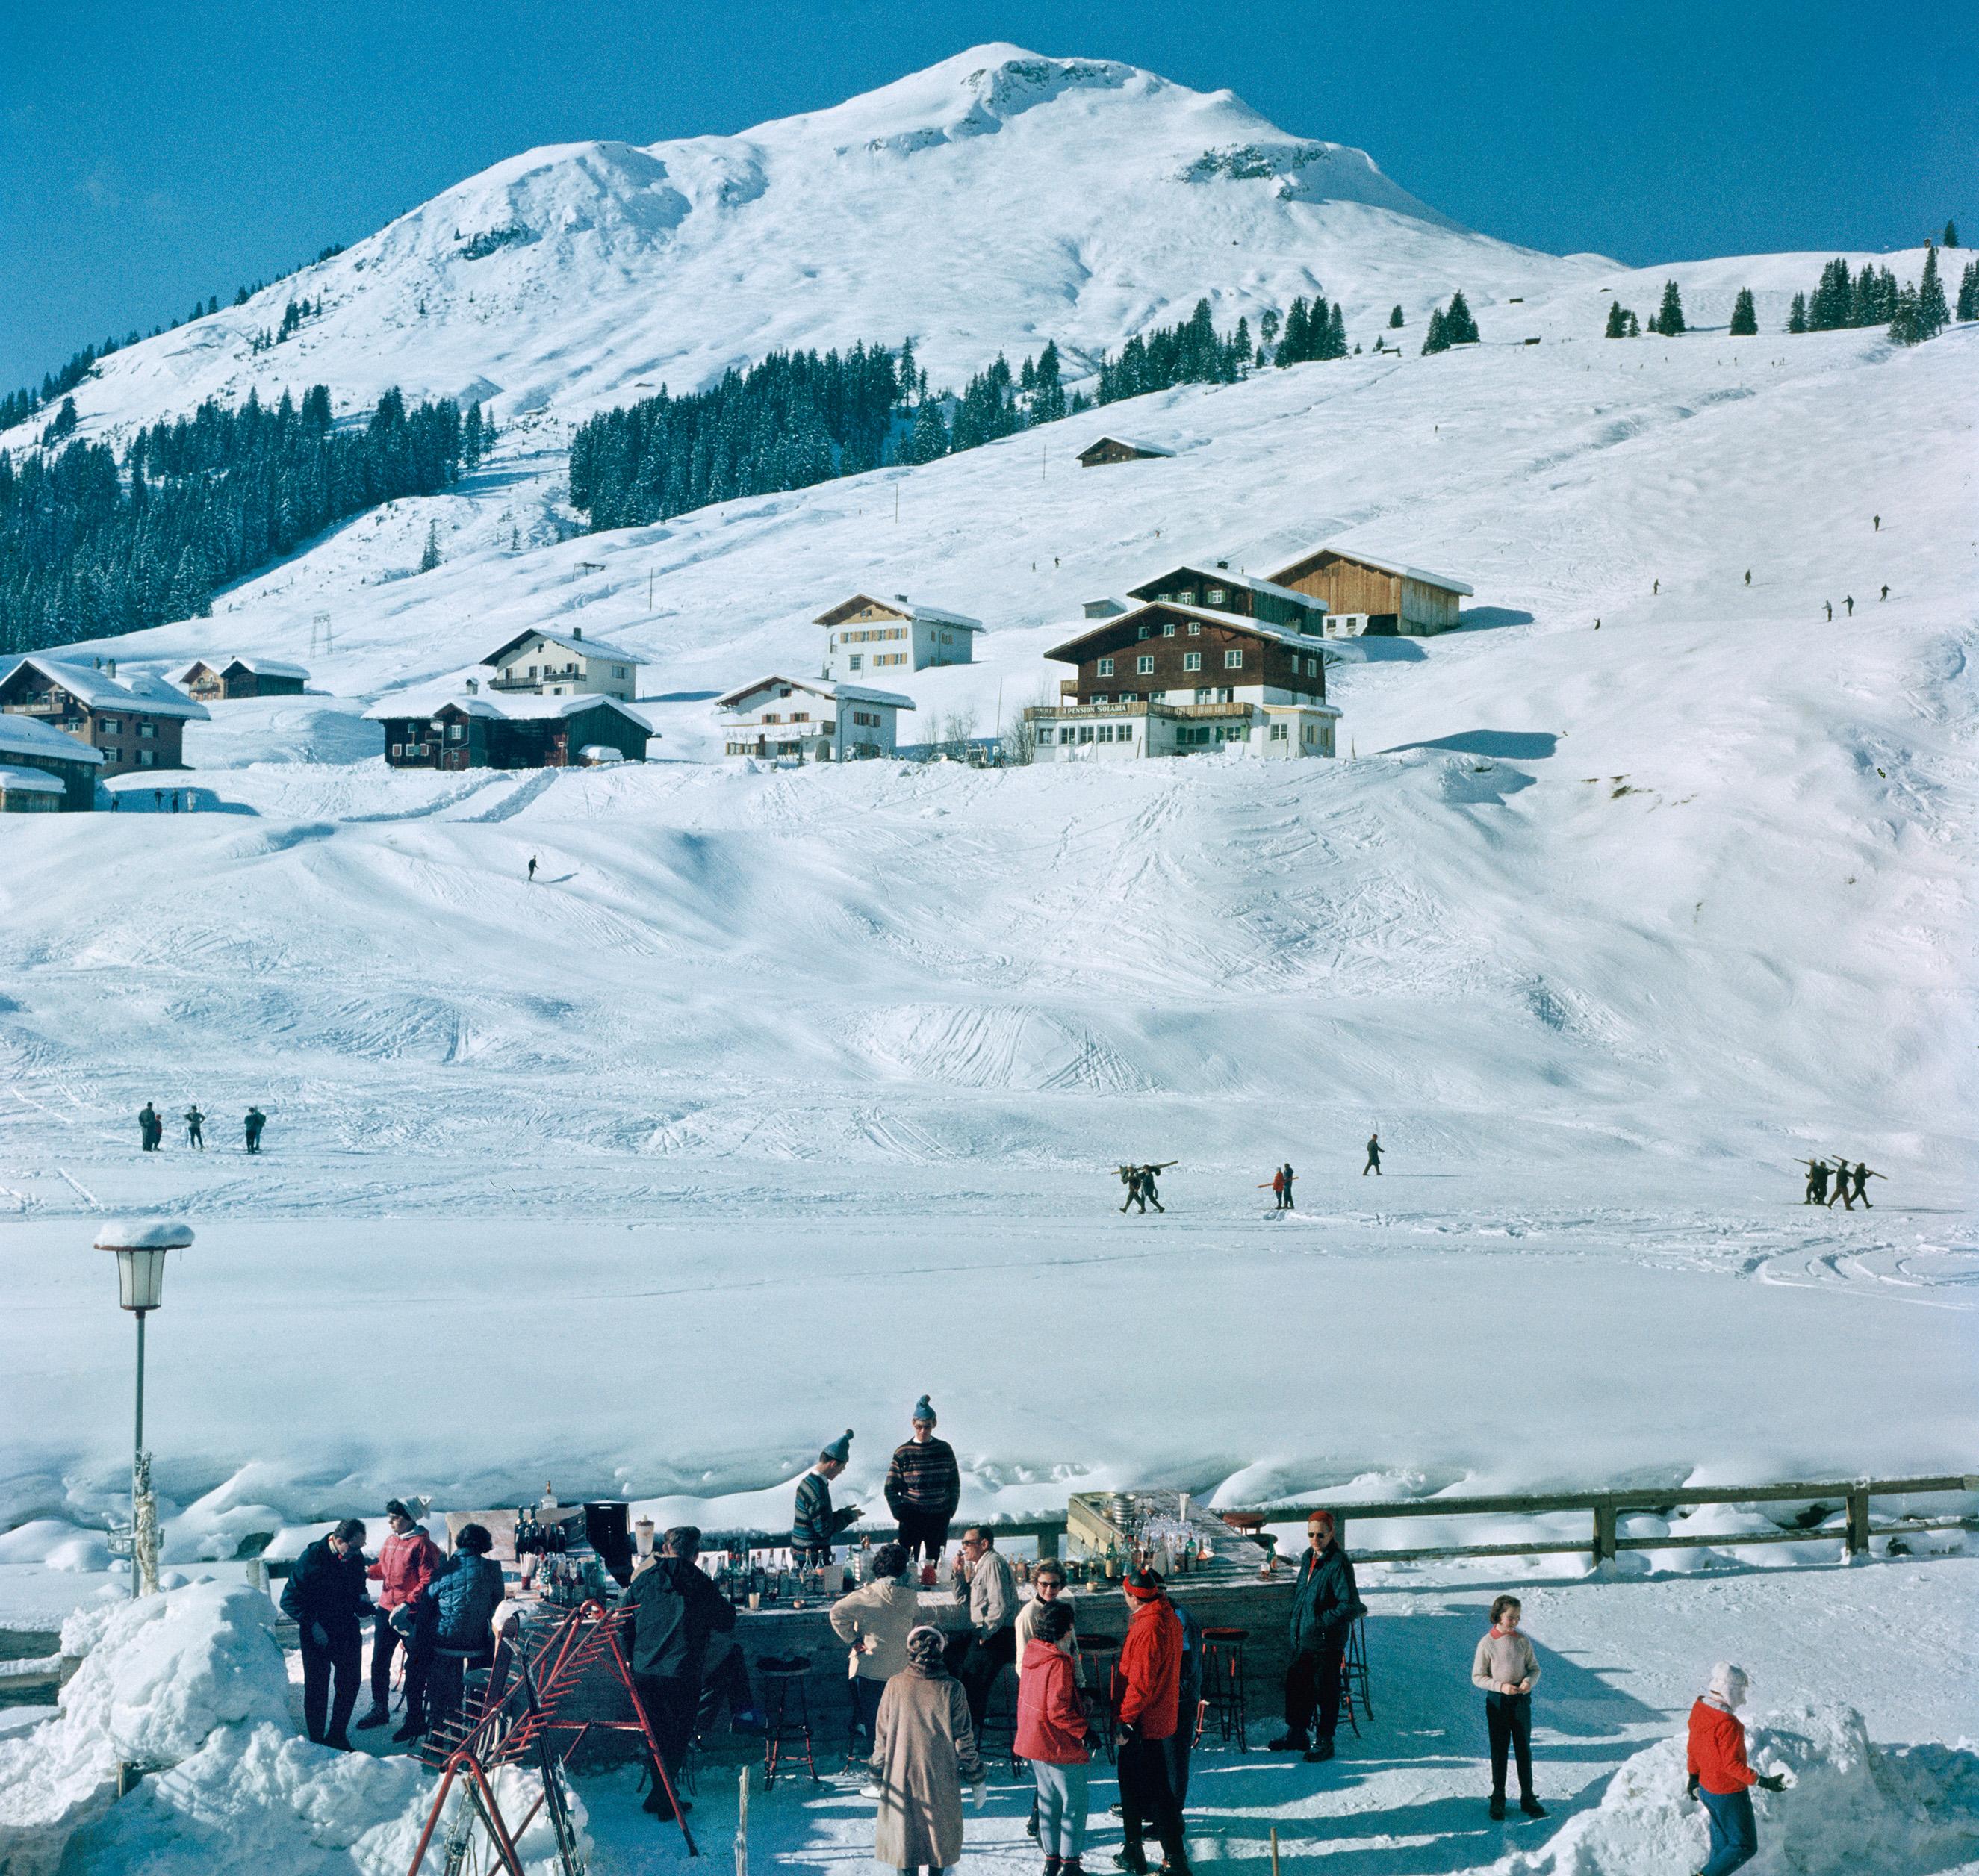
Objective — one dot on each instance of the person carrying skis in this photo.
(1816, 1183)
(1148, 1185)
(151, 1129)
(1130, 1177)
(195, 1121)
(1278, 1184)
(1840, 1178)
(1285, 1172)
(1719, 1778)
(1859, 1179)
(1374, 1165)
(251, 1125)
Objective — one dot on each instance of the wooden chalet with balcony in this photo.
(44, 771)
(1104, 449)
(1171, 678)
(543, 663)
(222, 679)
(140, 725)
(464, 728)
(1383, 598)
(800, 719)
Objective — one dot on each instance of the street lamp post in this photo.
(141, 1245)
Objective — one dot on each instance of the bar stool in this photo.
(1098, 1651)
(1354, 1697)
(999, 1723)
(789, 1720)
(1225, 1684)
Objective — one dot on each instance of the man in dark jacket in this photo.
(815, 1526)
(676, 1608)
(326, 1600)
(1325, 1605)
(923, 1486)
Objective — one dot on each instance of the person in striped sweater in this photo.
(923, 1486)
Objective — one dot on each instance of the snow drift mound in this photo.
(1849, 1807)
(190, 1686)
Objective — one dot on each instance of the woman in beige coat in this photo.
(923, 1751)
(874, 1620)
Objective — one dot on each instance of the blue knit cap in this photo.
(923, 1411)
(841, 1448)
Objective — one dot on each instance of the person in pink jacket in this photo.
(1051, 1734)
(406, 1561)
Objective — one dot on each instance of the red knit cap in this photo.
(1144, 1585)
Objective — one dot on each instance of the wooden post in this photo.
(1856, 1542)
(742, 1825)
(1047, 1545)
(1604, 1531)
(1274, 1849)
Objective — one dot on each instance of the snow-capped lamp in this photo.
(141, 1245)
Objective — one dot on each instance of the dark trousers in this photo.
(1312, 1685)
(1181, 1742)
(1148, 1801)
(976, 1661)
(726, 1678)
(670, 1700)
(922, 1532)
(866, 1706)
(384, 1639)
(343, 1660)
(443, 1678)
(1735, 1834)
(1508, 1718)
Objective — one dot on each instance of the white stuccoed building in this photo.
(867, 638)
(564, 664)
(810, 719)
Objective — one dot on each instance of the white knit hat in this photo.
(1728, 1682)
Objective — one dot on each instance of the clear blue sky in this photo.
(156, 153)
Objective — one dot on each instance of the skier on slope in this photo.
(1720, 1779)
(195, 1121)
(251, 1125)
(1374, 1165)
(532, 869)
(151, 1129)
(1848, 600)
(1286, 1173)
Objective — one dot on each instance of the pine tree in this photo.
(1744, 319)
(1394, 317)
(1433, 340)
(1618, 321)
(928, 438)
(1459, 328)
(1635, 330)
(1932, 315)
(1292, 348)
(1797, 314)
(1907, 328)
(1668, 320)
(1268, 328)
(1968, 292)
(1950, 234)
(430, 558)
(470, 436)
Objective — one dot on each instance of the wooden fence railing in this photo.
(1604, 1510)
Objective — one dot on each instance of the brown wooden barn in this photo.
(1382, 596)
(212, 679)
(466, 730)
(140, 725)
(1105, 449)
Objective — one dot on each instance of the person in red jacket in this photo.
(1147, 1695)
(1719, 1774)
(1052, 1735)
(406, 1561)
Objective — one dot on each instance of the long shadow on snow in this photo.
(1490, 618)
(1511, 745)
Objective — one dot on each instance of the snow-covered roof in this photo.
(260, 667)
(901, 607)
(570, 642)
(151, 696)
(817, 687)
(142, 1235)
(1127, 442)
(430, 700)
(27, 736)
(29, 781)
(1400, 568)
(1068, 653)
(1222, 576)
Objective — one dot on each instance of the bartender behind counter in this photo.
(816, 1526)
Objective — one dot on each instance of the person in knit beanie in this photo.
(1147, 1703)
(1506, 1669)
(923, 1486)
(815, 1526)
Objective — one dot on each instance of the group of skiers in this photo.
(439, 1609)
(151, 1128)
(1139, 1181)
(1850, 1184)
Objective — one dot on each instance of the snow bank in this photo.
(1849, 1807)
(191, 1687)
